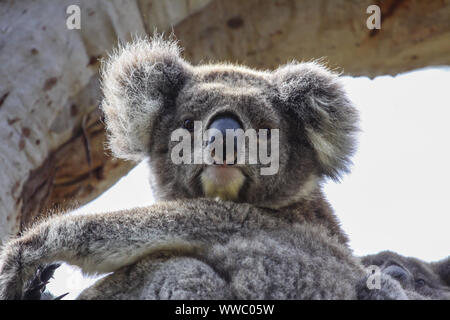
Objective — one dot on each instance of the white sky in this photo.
(397, 195)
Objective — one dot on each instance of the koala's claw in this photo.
(36, 287)
(61, 296)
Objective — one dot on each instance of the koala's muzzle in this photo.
(223, 124)
(222, 179)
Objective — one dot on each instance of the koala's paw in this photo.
(34, 290)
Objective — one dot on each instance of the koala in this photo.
(217, 230)
(35, 288)
(419, 279)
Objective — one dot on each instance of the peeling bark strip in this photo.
(12, 121)
(73, 174)
(26, 132)
(36, 190)
(69, 174)
(50, 83)
(235, 22)
(3, 98)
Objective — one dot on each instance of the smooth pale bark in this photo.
(264, 34)
(48, 88)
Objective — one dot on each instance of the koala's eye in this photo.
(420, 283)
(188, 124)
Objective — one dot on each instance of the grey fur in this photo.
(251, 253)
(279, 239)
(419, 279)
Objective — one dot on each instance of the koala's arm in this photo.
(103, 243)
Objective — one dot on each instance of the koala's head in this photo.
(150, 91)
(430, 280)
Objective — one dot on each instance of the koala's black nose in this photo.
(222, 124)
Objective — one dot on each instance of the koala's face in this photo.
(226, 98)
(150, 93)
(430, 280)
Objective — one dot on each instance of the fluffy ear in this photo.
(442, 268)
(315, 97)
(138, 81)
